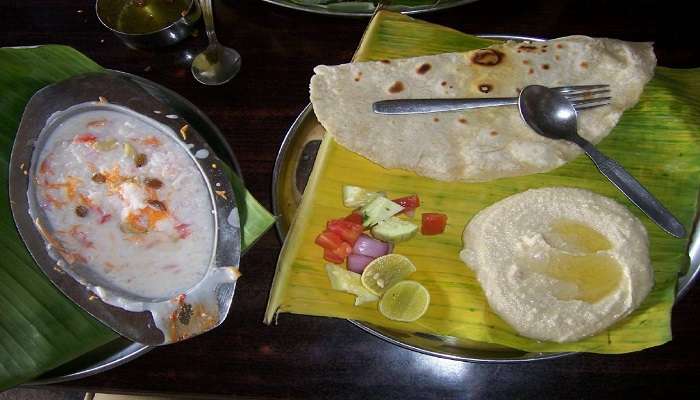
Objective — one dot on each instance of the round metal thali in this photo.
(121, 350)
(293, 166)
(367, 8)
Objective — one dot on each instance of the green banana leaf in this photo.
(41, 329)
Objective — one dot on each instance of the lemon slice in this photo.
(406, 301)
(385, 271)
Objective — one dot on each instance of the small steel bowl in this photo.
(108, 12)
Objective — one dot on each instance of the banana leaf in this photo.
(657, 141)
(41, 329)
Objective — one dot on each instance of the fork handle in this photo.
(423, 106)
(633, 190)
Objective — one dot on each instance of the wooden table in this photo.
(305, 357)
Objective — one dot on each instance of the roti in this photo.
(480, 144)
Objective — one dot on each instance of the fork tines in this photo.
(586, 96)
(579, 88)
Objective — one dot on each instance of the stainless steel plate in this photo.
(122, 350)
(292, 169)
(350, 10)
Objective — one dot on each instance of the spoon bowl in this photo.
(216, 65)
(559, 120)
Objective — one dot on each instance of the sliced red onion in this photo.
(358, 262)
(370, 247)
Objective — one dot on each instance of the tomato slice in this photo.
(328, 240)
(348, 231)
(411, 201)
(355, 218)
(433, 223)
(330, 256)
(345, 249)
(339, 254)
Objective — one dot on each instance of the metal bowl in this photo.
(121, 310)
(121, 350)
(108, 13)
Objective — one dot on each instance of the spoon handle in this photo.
(208, 14)
(634, 190)
(424, 106)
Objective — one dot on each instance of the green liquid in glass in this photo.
(144, 16)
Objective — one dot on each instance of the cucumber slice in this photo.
(379, 210)
(355, 196)
(394, 230)
(349, 282)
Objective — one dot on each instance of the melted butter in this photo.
(574, 237)
(595, 275)
(579, 258)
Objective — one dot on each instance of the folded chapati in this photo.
(481, 144)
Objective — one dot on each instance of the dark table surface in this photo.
(305, 357)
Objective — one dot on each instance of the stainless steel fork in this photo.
(583, 97)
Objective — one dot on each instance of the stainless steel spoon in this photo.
(551, 115)
(217, 64)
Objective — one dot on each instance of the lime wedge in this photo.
(385, 271)
(349, 282)
(406, 301)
